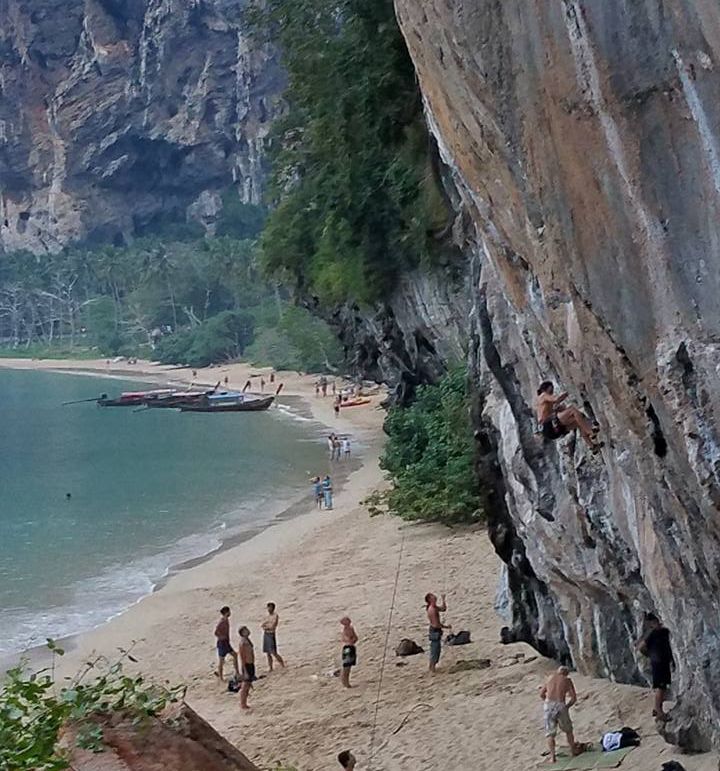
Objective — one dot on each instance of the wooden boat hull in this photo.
(251, 405)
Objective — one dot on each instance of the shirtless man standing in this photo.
(559, 695)
(436, 626)
(247, 662)
(224, 648)
(557, 421)
(349, 640)
(269, 627)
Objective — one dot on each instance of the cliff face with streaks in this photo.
(115, 114)
(584, 141)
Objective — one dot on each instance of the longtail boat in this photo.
(229, 402)
(132, 398)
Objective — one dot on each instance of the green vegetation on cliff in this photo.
(356, 197)
(428, 457)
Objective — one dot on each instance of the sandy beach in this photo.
(321, 565)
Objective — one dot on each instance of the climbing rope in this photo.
(384, 658)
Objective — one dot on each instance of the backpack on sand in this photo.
(461, 638)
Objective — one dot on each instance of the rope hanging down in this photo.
(384, 658)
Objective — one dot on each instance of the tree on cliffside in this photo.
(356, 196)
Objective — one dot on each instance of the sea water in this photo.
(147, 491)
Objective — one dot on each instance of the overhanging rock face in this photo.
(584, 138)
(115, 114)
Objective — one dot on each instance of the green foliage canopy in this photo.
(429, 457)
(356, 195)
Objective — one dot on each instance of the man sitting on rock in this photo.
(557, 421)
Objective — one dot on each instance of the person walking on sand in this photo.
(269, 645)
(327, 492)
(558, 695)
(347, 760)
(346, 447)
(336, 406)
(349, 640)
(331, 446)
(436, 627)
(247, 664)
(224, 648)
(656, 645)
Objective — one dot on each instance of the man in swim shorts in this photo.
(559, 695)
(224, 648)
(349, 640)
(247, 662)
(269, 645)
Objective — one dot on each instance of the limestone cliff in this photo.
(584, 140)
(117, 113)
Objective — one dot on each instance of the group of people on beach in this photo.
(323, 492)
(243, 659)
(339, 447)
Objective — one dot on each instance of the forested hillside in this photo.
(177, 296)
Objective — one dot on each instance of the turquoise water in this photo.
(148, 491)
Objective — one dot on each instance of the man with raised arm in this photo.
(557, 419)
(435, 631)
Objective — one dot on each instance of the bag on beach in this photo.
(461, 638)
(408, 648)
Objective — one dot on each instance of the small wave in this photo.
(97, 600)
(289, 412)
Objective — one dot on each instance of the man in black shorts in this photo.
(656, 645)
(349, 641)
(224, 647)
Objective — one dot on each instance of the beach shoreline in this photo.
(296, 404)
(319, 566)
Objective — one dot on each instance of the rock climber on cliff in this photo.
(558, 420)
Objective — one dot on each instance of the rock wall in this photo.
(117, 113)
(584, 140)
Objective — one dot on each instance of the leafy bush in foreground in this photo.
(429, 457)
(33, 711)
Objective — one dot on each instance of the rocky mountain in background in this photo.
(583, 141)
(117, 115)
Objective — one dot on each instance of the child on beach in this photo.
(247, 664)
